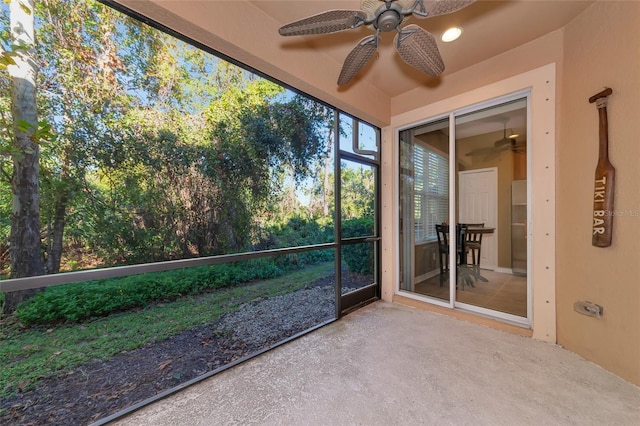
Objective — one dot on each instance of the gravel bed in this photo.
(261, 322)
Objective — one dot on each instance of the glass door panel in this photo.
(424, 207)
(491, 198)
(358, 266)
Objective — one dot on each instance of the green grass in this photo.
(28, 355)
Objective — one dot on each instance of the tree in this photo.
(161, 151)
(84, 98)
(358, 194)
(25, 251)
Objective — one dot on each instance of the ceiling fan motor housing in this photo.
(388, 18)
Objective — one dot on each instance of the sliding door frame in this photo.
(453, 203)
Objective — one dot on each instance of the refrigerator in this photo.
(519, 227)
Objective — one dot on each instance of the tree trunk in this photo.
(327, 172)
(54, 246)
(25, 251)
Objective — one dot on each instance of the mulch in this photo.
(100, 388)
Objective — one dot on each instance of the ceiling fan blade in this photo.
(418, 48)
(502, 142)
(324, 23)
(428, 9)
(357, 59)
(480, 151)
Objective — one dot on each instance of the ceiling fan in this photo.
(416, 46)
(504, 144)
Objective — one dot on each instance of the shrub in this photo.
(80, 301)
(358, 257)
(297, 231)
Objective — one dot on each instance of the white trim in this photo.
(427, 275)
(453, 242)
(489, 313)
(424, 298)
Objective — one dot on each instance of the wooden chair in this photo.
(442, 232)
(465, 272)
(473, 243)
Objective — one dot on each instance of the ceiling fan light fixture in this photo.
(451, 34)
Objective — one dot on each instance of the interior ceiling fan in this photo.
(416, 46)
(504, 144)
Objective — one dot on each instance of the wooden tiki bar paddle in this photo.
(604, 179)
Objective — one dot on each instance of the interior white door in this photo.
(478, 203)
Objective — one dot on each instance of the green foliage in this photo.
(358, 191)
(29, 355)
(296, 232)
(358, 257)
(78, 302)
(158, 151)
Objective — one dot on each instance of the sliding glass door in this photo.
(424, 203)
(463, 210)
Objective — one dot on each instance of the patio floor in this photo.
(391, 364)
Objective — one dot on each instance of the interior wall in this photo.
(426, 260)
(602, 48)
(504, 164)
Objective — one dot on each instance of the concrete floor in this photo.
(388, 364)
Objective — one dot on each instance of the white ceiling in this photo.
(490, 28)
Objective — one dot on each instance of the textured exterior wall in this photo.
(602, 48)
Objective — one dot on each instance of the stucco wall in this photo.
(602, 48)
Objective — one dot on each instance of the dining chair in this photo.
(442, 233)
(473, 243)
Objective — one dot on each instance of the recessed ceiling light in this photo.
(451, 34)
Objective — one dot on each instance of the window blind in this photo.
(431, 192)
